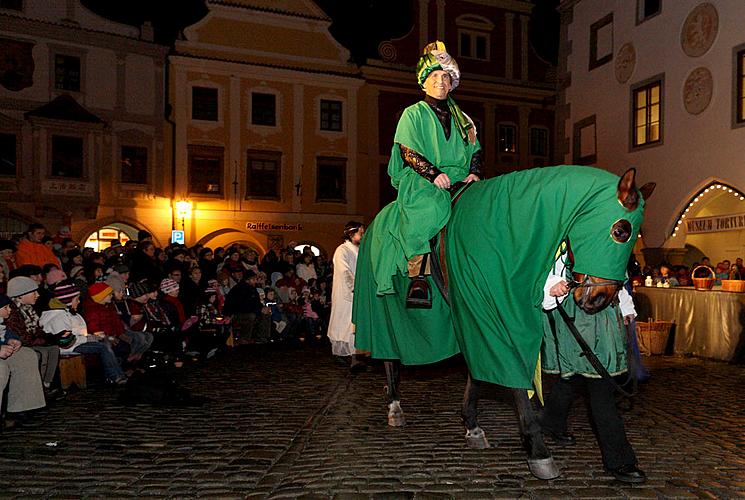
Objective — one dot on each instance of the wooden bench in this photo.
(72, 371)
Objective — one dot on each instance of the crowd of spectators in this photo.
(137, 303)
(681, 275)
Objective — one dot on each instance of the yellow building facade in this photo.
(264, 128)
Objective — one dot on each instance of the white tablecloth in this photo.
(707, 323)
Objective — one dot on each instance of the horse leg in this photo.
(475, 437)
(392, 374)
(540, 461)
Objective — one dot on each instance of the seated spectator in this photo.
(667, 277)
(190, 290)
(290, 280)
(722, 272)
(19, 369)
(32, 250)
(30, 271)
(171, 304)
(149, 318)
(306, 270)
(7, 256)
(213, 327)
(139, 342)
(738, 263)
(23, 321)
(53, 277)
(63, 317)
(734, 272)
(102, 319)
(207, 263)
(249, 317)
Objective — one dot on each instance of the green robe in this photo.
(402, 230)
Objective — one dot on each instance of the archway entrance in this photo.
(102, 238)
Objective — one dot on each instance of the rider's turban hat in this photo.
(436, 57)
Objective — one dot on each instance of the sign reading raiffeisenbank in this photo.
(715, 223)
(271, 226)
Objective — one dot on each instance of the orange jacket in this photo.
(39, 254)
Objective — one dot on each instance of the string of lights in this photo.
(712, 188)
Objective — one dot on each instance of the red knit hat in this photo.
(99, 291)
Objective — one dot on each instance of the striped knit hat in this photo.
(168, 285)
(138, 289)
(99, 291)
(65, 291)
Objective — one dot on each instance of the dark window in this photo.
(204, 104)
(331, 115)
(585, 142)
(8, 154)
(507, 138)
(538, 141)
(11, 4)
(67, 72)
(263, 175)
(134, 165)
(465, 44)
(205, 170)
(740, 76)
(647, 119)
(331, 179)
(473, 45)
(67, 156)
(264, 109)
(647, 9)
(601, 41)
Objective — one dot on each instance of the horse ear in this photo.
(647, 190)
(627, 193)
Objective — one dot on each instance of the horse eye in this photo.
(621, 231)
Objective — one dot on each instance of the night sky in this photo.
(383, 20)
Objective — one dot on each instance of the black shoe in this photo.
(629, 474)
(54, 394)
(559, 438)
(358, 367)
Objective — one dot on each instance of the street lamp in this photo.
(183, 210)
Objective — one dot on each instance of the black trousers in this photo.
(607, 422)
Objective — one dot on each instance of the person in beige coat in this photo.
(341, 329)
(19, 369)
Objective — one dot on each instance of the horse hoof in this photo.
(476, 439)
(396, 415)
(543, 468)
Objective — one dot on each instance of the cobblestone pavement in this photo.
(291, 423)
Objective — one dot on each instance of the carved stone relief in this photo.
(699, 30)
(697, 90)
(625, 62)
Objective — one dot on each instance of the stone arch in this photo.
(227, 236)
(80, 235)
(712, 184)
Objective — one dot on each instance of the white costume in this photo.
(341, 329)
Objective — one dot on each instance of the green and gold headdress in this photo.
(436, 57)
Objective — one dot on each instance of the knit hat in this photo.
(138, 289)
(21, 285)
(75, 271)
(168, 285)
(65, 291)
(115, 282)
(121, 268)
(4, 301)
(55, 276)
(99, 291)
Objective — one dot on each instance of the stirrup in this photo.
(419, 295)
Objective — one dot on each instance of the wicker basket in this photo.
(733, 285)
(652, 336)
(703, 283)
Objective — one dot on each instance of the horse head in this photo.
(602, 238)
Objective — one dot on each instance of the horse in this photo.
(500, 243)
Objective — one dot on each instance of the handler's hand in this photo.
(442, 181)
(14, 344)
(472, 178)
(559, 289)
(5, 351)
(627, 319)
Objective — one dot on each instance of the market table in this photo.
(708, 323)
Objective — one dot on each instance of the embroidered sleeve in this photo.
(419, 163)
(476, 162)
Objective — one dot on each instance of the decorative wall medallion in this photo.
(625, 62)
(387, 51)
(699, 30)
(697, 90)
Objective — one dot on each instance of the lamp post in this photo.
(183, 210)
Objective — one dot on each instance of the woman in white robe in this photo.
(341, 329)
